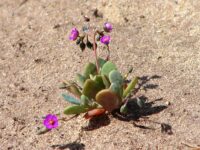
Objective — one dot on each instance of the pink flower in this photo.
(107, 27)
(105, 39)
(74, 34)
(50, 121)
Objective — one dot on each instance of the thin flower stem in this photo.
(95, 51)
(108, 56)
(65, 119)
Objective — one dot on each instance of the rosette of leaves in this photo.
(95, 93)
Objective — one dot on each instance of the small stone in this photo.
(142, 16)
(97, 14)
(168, 103)
(166, 128)
(22, 89)
(86, 18)
(56, 26)
(38, 60)
(4, 74)
(126, 19)
(62, 135)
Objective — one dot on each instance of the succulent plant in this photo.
(98, 92)
(101, 87)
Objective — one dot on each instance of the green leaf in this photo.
(63, 86)
(91, 88)
(92, 77)
(98, 79)
(130, 87)
(129, 71)
(115, 77)
(90, 68)
(101, 62)
(107, 68)
(124, 109)
(140, 102)
(71, 99)
(116, 88)
(85, 101)
(72, 88)
(106, 81)
(80, 78)
(75, 109)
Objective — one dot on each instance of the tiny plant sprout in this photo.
(50, 121)
(100, 88)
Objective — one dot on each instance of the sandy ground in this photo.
(155, 37)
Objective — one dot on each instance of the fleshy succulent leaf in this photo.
(91, 88)
(72, 88)
(140, 102)
(63, 86)
(98, 79)
(92, 77)
(106, 81)
(75, 109)
(94, 112)
(80, 78)
(90, 68)
(85, 101)
(124, 109)
(101, 62)
(115, 77)
(116, 88)
(130, 87)
(71, 99)
(107, 68)
(108, 99)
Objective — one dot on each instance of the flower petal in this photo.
(50, 121)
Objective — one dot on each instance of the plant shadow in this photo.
(71, 146)
(135, 112)
(97, 122)
(144, 83)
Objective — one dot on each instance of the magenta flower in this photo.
(51, 121)
(105, 39)
(74, 34)
(107, 27)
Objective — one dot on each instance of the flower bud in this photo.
(82, 46)
(89, 45)
(78, 41)
(107, 27)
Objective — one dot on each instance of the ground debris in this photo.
(166, 128)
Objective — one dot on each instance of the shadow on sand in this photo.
(70, 146)
(135, 112)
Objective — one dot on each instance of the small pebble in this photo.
(4, 74)
(168, 103)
